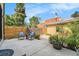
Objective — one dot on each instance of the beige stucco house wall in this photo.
(51, 30)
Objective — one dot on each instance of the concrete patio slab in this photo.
(35, 47)
(50, 51)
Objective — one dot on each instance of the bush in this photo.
(37, 36)
(77, 43)
(71, 42)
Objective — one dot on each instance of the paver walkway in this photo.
(35, 48)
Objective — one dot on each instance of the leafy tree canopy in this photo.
(34, 21)
(18, 17)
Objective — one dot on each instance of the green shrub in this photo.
(77, 43)
(37, 36)
(71, 41)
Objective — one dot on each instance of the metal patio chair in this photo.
(21, 36)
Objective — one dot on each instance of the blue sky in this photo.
(45, 10)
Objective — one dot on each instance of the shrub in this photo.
(71, 42)
(77, 43)
(37, 36)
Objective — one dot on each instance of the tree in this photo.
(19, 16)
(75, 14)
(9, 20)
(34, 21)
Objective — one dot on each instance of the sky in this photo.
(45, 10)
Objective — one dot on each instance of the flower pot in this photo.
(57, 45)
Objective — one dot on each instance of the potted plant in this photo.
(57, 42)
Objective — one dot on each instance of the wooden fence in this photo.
(12, 31)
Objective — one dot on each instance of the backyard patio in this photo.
(35, 47)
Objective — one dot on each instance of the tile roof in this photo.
(49, 21)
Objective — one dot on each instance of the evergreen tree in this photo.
(19, 16)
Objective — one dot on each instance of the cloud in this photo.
(36, 9)
(63, 6)
(33, 10)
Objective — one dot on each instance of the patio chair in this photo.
(21, 35)
(31, 35)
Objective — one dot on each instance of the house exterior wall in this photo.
(44, 30)
(51, 30)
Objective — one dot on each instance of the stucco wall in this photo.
(51, 30)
